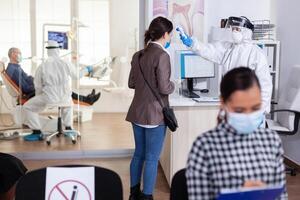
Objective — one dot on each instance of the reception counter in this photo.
(193, 119)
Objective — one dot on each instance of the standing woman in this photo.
(145, 112)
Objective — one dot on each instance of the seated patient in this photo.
(11, 170)
(26, 83)
(236, 153)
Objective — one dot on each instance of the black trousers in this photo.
(75, 96)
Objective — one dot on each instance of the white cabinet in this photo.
(272, 51)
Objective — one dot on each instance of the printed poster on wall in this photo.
(188, 14)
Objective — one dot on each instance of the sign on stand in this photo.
(70, 183)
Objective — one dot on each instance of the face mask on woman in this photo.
(167, 45)
(245, 123)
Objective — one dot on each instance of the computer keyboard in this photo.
(207, 99)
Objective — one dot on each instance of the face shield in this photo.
(237, 23)
(241, 28)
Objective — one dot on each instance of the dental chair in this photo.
(15, 92)
(12, 88)
(287, 115)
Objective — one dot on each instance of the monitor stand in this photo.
(189, 92)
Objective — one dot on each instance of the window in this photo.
(51, 12)
(94, 39)
(15, 31)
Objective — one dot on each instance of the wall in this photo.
(215, 10)
(288, 19)
(124, 24)
(124, 15)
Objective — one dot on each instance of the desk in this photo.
(193, 119)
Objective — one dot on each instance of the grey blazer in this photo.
(155, 63)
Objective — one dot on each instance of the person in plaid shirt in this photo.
(237, 153)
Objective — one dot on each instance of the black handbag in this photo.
(168, 113)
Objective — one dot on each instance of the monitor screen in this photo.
(194, 66)
(60, 37)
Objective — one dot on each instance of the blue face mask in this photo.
(245, 123)
(167, 45)
(19, 58)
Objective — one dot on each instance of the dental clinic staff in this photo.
(235, 52)
(52, 85)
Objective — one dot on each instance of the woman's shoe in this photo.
(135, 192)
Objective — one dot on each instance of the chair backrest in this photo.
(289, 98)
(179, 186)
(108, 184)
(12, 88)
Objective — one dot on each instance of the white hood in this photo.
(53, 52)
(247, 35)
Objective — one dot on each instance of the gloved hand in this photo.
(89, 69)
(186, 40)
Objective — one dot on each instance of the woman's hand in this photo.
(253, 183)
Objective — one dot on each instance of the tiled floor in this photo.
(104, 132)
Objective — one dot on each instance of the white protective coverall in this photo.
(52, 85)
(245, 54)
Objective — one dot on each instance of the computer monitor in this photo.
(193, 66)
(60, 37)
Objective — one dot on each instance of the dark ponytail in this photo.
(241, 78)
(158, 27)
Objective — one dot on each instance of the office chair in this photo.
(108, 184)
(73, 134)
(287, 115)
(179, 186)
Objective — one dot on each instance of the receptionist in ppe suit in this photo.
(236, 52)
(52, 85)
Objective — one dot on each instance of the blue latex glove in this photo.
(89, 69)
(186, 40)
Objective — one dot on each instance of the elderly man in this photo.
(26, 82)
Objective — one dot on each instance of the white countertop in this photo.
(180, 101)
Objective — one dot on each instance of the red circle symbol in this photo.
(58, 188)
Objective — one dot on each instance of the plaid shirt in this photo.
(223, 159)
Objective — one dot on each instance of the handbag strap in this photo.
(154, 92)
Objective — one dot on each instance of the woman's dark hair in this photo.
(241, 78)
(158, 27)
